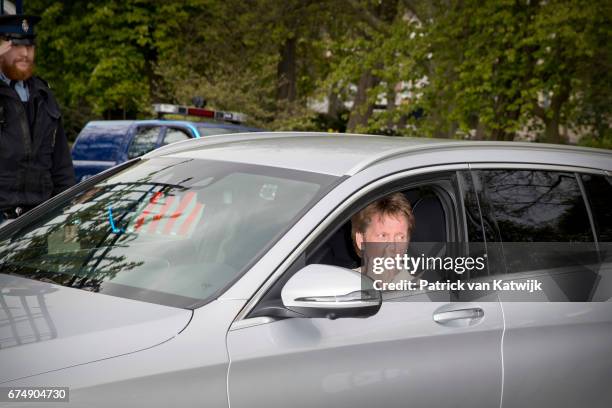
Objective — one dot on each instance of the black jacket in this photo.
(35, 161)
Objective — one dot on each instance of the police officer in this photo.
(35, 161)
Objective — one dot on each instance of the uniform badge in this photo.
(25, 26)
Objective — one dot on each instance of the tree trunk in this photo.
(286, 72)
(481, 131)
(391, 94)
(552, 129)
(335, 104)
(362, 108)
(553, 121)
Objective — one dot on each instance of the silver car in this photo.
(220, 272)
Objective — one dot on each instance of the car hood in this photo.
(45, 327)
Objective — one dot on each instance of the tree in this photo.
(517, 65)
(444, 68)
(489, 69)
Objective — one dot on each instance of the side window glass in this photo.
(144, 141)
(540, 233)
(434, 245)
(535, 206)
(599, 192)
(175, 135)
(430, 228)
(430, 236)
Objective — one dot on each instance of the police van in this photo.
(103, 144)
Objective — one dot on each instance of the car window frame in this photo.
(382, 192)
(371, 182)
(361, 198)
(576, 172)
(587, 195)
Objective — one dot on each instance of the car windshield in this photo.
(166, 230)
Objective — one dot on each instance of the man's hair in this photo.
(395, 205)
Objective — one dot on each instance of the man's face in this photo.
(385, 228)
(18, 63)
(386, 236)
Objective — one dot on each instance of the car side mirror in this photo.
(330, 291)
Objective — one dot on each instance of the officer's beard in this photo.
(17, 74)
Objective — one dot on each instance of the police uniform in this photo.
(35, 161)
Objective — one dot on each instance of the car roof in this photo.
(341, 154)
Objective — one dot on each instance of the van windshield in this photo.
(166, 230)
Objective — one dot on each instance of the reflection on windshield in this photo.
(167, 231)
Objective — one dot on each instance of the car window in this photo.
(167, 231)
(599, 192)
(538, 227)
(175, 135)
(430, 229)
(435, 234)
(535, 206)
(144, 141)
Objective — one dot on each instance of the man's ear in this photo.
(359, 240)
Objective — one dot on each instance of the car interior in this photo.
(430, 231)
(431, 234)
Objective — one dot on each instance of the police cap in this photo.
(17, 28)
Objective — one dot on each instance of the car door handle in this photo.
(459, 314)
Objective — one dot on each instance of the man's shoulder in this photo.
(39, 83)
(41, 87)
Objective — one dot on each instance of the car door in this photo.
(399, 357)
(557, 345)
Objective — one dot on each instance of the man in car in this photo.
(35, 161)
(383, 229)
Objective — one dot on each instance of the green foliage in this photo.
(604, 142)
(97, 56)
(489, 69)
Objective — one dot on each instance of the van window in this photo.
(175, 135)
(144, 141)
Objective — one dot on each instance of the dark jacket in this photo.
(35, 161)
